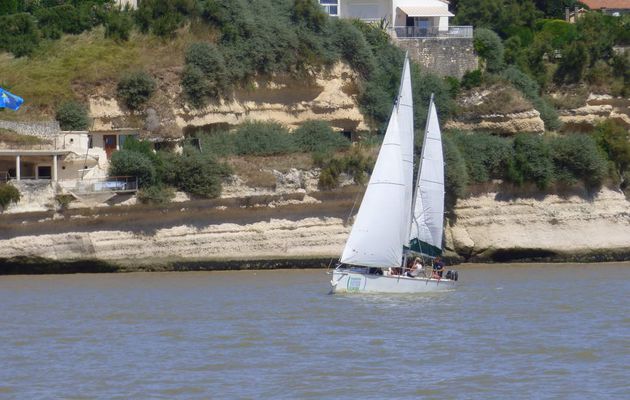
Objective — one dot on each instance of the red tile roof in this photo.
(609, 4)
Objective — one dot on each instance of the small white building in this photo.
(73, 160)
(407, 18)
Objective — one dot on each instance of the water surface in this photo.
(527, 331)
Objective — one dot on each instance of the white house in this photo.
(407, 18)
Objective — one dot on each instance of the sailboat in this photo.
(398, 221)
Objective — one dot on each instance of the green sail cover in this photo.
(424, 248)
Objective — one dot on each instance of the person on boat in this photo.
(438, 267)
(416, 269)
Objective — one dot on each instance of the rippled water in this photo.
(531, 331)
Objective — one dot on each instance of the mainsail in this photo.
(375, 239)
(427, 226)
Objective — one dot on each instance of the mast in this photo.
(406, 122)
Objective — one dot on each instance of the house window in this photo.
(331, 7)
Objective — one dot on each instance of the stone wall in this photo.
(41, 129)
(442, 56)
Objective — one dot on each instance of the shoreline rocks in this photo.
(487, 228)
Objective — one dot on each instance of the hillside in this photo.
(201, 69)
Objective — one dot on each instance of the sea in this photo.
(528, 331)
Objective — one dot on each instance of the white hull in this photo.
(355, 282)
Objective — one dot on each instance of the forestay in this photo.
(428, 217)
(375, 239)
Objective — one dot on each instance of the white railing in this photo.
(413, 32)
(115, 184)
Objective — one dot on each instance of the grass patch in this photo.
(12, 138)
(59, 68)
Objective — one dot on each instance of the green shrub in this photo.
(8, 194)
(196, 87)
(560, 32)
(577, 158)
(118, 26)
(197, 174)
(135, 89)
(210, 61)
(132, 163)
(424, 85)
(472, 79)
(143, 147)
(19, 34)
(8, 7)
(263, 138)
(328, 179)
(455, 173)
(614, 139)
(156, 194)
(318, 137)
(353, 47)
(572, 64)
(220, 143)
(60, 19)
(72, 116)
(164, 17)
(356, 163)
(532, 161)
(63, 201)
(487, 156)
(489, 47)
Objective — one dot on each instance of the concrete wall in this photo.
(442, 56)
(41, 129)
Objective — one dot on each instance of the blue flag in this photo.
(9, 100)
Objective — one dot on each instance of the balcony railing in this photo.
(413, 32)
(114, 184)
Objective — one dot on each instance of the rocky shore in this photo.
(207, 235)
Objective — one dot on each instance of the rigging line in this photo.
(430, 181)
(387, 183)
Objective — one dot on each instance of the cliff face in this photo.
(499, 109)
(328, 95)
(274, 238)
(597, 108)
(487, 228)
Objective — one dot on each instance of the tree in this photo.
(573, 63)
(489, 47)
(72, 116)
(135, 89)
